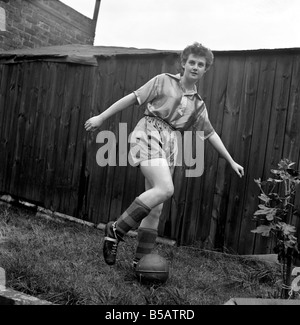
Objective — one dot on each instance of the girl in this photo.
(173, 105)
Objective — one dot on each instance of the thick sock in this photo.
(136, 212)
(146, 242)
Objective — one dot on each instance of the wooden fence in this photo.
(47, 158)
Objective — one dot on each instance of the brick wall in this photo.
(37, 23)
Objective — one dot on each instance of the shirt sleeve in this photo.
(203, 124)
(148, 91)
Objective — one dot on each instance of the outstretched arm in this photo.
(95, 122)
(217, 143)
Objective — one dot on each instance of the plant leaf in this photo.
(264, 198)
(287, 229)
(268, 212)
(263, 230)
(275, 171)
(271, 215)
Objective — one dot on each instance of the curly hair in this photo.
(198, 49)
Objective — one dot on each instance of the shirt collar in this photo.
(177, 77)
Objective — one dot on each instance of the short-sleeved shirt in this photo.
(166, 99)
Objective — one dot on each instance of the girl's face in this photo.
(194, 67)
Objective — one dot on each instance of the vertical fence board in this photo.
(38, 146)
(257, 153)
(17, 130)
(111, 126)
(46, 128)
(228, 136)
(92, 176)
(66, 94)
(291, 147)
(130, 84)
(292, 136)
(80, 179)
(9, 124)
(3, 89)
(280, 101)
(218, 105)
(242, 149)
(27, 173)
(73, 124)
(135, 180)
(100, 179)
(119, 172)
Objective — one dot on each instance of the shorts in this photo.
(153, 138)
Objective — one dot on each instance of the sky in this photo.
(173, 24)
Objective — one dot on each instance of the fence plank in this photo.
(99, 186)
(292, 137)
(46, 125)
(242, 150)
(257, 154)
(63, 127)
(80, 178)
(111, 126)
(27, 173)
(135, 180)
(130, 84)
(54, 148)
(228, 136)
(9, 125)
(40, 137)
(17, 132)
(3, 87)
(280, 102)
(216, 114)
(118, 182)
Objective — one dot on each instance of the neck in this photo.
(187, 85)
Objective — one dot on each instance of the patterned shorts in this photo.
(153, 138)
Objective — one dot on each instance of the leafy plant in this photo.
(276, 212)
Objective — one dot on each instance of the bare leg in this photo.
(159, 189)
(152, 220)
(159, 182)
(147, 231)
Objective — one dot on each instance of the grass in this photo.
(61, 261)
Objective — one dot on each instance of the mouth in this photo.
(195, 74)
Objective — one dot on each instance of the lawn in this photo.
(61, 261)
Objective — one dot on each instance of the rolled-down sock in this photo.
(131, 218)
(146, 242)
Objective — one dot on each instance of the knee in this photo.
(167, 191)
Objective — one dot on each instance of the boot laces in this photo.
(114, 248)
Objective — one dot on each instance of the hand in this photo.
(238, 169)
(93, 123)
